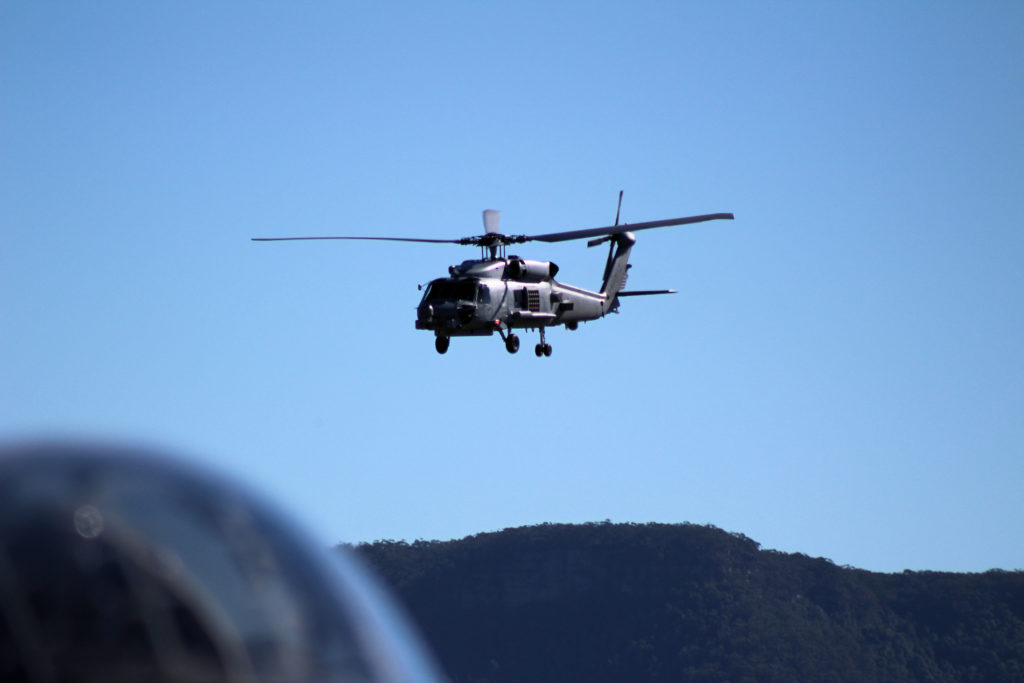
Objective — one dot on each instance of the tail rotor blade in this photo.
(492, 225)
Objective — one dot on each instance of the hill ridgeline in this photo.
(604, 603)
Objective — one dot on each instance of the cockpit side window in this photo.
(483, 295)
(432, 291)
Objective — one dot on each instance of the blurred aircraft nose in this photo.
(121, 565)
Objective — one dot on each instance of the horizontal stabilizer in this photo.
(647, 292)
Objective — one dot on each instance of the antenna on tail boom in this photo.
(601, 240)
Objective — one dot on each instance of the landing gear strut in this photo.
(542, 349)
(441, 343)
(511, 340)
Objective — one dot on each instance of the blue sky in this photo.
(841, 373)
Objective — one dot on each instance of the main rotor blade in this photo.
(383, 239)
(625, 227)
(493, 238)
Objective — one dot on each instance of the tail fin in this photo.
(615, 270)
(617, 265)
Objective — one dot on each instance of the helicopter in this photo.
(500, 293)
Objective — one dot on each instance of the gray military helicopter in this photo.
(499, 293)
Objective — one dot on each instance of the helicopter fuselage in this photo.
(482, 297)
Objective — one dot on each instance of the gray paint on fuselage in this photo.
(552, 303)
(507, 302)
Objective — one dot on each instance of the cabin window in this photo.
(483, 294)
(447, 290)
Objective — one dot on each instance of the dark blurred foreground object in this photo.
(116, 565)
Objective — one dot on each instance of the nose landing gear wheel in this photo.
(547, 349)
(512, 343)
(441, 344)
(539, 350)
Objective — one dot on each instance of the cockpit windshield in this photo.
(448, 289)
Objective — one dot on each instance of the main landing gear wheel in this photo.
(441, 344)
(512, 343)
(543, 348)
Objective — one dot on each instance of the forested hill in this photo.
(629, 603)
